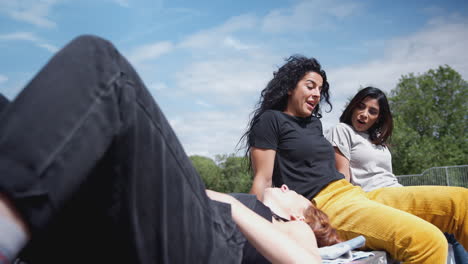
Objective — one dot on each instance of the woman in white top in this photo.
(362, 154)
(360, 141)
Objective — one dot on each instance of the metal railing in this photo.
(447, 176)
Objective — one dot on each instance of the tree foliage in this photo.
(227, 173)
(209, 171)
(430, 113)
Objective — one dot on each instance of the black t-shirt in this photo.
(250, 254)
(305, 160)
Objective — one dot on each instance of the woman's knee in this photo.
(90, 40)
(91, 50)
(425, 245)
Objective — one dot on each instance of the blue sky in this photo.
(206, 62)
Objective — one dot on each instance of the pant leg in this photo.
(3, 102)
(404, 236)
(459, 253)
(444, 207)
(91, 163)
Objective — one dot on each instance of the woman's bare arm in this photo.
(342, 164)
(263, 161)
(273, 244)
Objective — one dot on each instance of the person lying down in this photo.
(90, 169)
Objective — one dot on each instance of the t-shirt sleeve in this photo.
(340, 137)
(265, 132)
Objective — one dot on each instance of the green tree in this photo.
(430, 113)
(209, 171)
(227, 173)
(236, 175)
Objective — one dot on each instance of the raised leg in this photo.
(98, 174)
(406, 237)
(444, 207)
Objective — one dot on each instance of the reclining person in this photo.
(90, 169)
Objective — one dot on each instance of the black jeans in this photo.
(95, 169)
(3, 102)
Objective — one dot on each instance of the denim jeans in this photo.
(459, 252)
(95, 169)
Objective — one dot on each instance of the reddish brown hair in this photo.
(325, 234)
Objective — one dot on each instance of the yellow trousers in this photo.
(407, 222)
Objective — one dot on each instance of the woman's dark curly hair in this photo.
(275, 94)
(381, 131)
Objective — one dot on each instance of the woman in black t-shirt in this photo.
(286, 145)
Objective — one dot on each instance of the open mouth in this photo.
(310, 104)
(361, 122)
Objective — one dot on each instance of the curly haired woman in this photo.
(286, 145)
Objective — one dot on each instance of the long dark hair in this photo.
(275, 94)
(381, 131)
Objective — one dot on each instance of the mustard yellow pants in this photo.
(407, 222)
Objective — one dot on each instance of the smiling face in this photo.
(365, 114)
(303, 99)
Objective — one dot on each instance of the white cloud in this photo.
(308, 16)
(203, 103)
(3, 78)
(30, 37)
(227, 80)
(210, 133)
(235, 44)
(50, 48)
(212, 37)
(27, 36)
(440, 43)
(31, 11)
(150, 51)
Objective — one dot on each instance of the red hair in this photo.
(325, 234)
